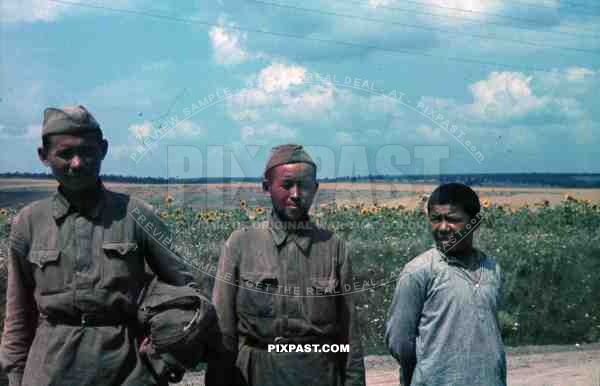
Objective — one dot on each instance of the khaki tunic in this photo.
(63, 263)
(268, 277)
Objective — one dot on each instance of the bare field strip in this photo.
(527, 366)
(14, 192)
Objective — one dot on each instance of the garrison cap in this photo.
(288, 154)
(69, 120)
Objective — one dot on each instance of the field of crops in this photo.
(550, 256)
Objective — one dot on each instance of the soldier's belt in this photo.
(88, 319)
(264, 343)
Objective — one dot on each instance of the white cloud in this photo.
(185, 129)
(188, 129)
(247, 115)
(228, 44)
(463, 9)
(310, 103)
(281, 90)
(141, 130)
(278, 77)
(504, 95)
(576, 74)
(266, 133)
(31, 11)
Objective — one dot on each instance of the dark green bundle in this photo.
(181, 327)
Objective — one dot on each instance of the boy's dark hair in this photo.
(455, 194)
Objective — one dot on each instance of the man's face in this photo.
(449, 228)
(292, 190)
(75, 160)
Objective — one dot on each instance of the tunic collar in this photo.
(61, 205)
(301, 233)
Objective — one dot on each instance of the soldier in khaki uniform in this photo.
(77, 262)
(276, 276)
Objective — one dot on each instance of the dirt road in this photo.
(527, 366)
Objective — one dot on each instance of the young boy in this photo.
(287, 252)
(442, 326)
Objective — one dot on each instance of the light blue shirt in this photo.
(447, 322)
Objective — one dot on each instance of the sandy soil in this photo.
(527, 366)
(16, 192)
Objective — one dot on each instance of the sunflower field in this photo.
(549, 255)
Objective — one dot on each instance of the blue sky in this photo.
(388, 86)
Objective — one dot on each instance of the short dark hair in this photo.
(456, 194)
(46, 138)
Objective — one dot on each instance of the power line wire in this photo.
(488, 22)
(531, 5)
(299, 37)
(479, 36)
(519, 19)
(543, 5)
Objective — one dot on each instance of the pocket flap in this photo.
(42, 257)
(254, 279)
(120, 248)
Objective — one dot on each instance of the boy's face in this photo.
(292, 188)
(449, 228)
(75, 160)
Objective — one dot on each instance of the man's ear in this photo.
(43, 155)
(104, 147)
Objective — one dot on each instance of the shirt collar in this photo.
(453, 260)
(301, 233)
(61, 205)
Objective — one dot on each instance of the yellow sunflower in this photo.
(568, 197)
(486, 204)
(243, 204)
(374, 209)
(199, 216)
(3, 212)
(164, 215)
(169, 199)
(260, 210)
(364, 211)
(400, 207)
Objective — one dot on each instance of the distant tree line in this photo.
(565, 180)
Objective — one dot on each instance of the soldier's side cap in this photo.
(68, 120)
(288, 154)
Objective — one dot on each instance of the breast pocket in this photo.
(320, 305)
(256, 294)
(49, 274)
(122, 263)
